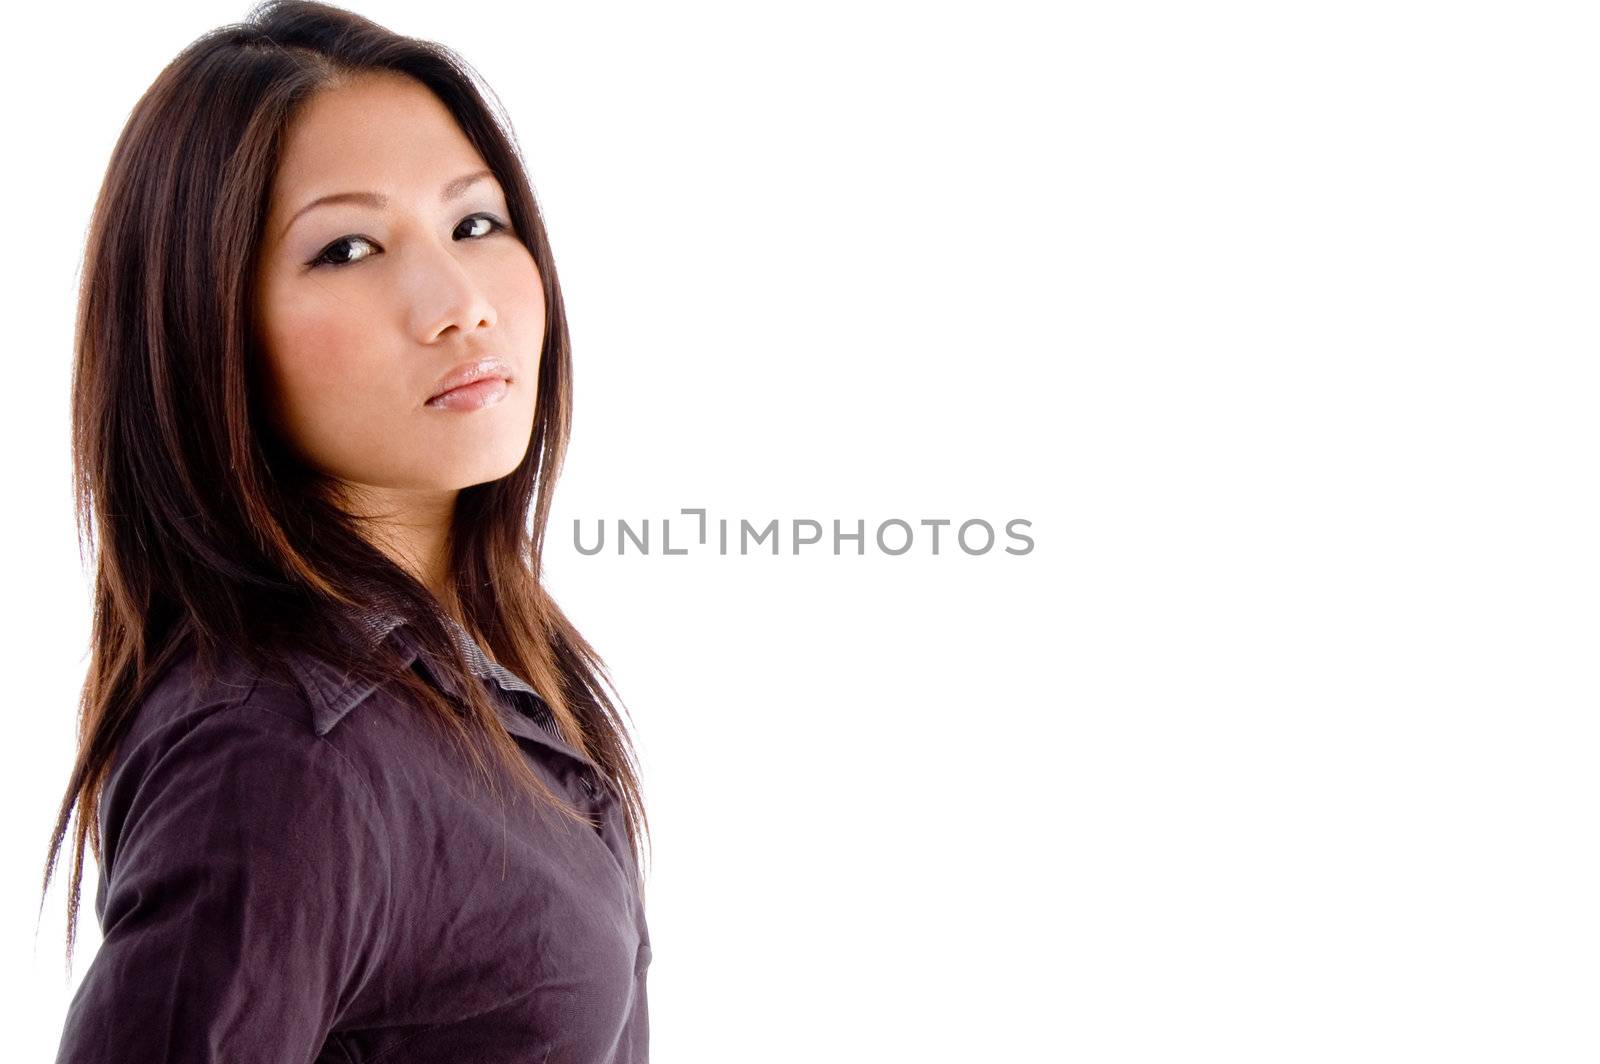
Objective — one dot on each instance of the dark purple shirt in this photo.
(311, 873)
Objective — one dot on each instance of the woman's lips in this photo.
(479, 369)
(474, 396)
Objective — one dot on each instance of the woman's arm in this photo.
(245, 902)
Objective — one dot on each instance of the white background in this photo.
(1277, 321)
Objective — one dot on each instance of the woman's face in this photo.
(365, 304)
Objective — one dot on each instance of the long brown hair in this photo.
(204, 531)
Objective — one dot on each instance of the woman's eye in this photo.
(491, 221)
(333, 256)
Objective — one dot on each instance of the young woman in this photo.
(355, 785)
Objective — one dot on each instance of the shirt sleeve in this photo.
(245, 903)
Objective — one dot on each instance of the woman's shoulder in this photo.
(246, 738)
(215, 716)
(191, 689)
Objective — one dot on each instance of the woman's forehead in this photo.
(389, 140)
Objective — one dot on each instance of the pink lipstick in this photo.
(472, 385)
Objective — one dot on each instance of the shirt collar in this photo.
(330, 690)
(333, 694)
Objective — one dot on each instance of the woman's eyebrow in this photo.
(452, 190)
